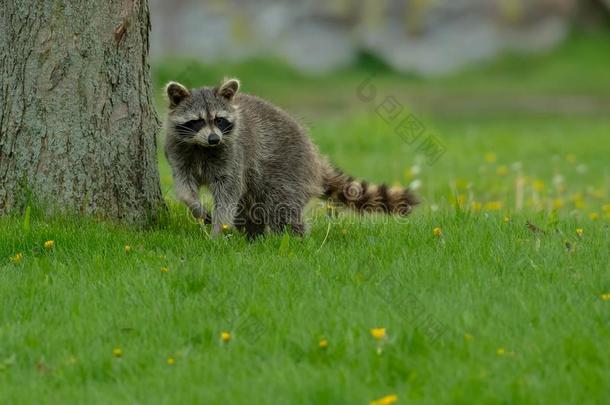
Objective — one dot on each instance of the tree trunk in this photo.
(77, 122)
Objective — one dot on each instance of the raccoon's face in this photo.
(204, 116)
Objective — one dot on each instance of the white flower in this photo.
(415, 170)
(557, 180)
(415, 184)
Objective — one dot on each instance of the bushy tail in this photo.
(364, 197)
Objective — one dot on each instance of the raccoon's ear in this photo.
(176, 93)
(228, 89)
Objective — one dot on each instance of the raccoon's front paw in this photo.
(207, 218)
(200, 213)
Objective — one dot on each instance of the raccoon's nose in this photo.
(213, 139)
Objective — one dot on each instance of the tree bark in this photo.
(77, 121)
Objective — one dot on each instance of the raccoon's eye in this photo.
(194, 125)
(223, 124)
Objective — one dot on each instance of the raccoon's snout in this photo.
(213, 139)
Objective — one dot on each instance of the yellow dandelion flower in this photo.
(490, 157)
(344, 231)
(605, 297)
(225, 337)
(606, 208)
(502, 170)
(225, 227)
(438, 232)
(461, 200)
(387, 400)
(593, 216)
(538, 185)
(580, 232)
(50, 244)
(468, 337)
(323, 343)
(558, 203)
(378, 333)
(596, 193)
(476, 206)
(127, 248)
(117, 352)
(578, 201)
(164, 270)
(17, 258)
(493, 206)
(171, 361)
(506, 219)
(576, 196)
(501, 351)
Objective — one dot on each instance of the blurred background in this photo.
(428, 37)
(486, 105)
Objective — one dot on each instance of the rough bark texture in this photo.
(77, 121)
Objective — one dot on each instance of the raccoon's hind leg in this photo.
(248, 221)
(289, 217)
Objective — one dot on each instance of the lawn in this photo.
(477, 307)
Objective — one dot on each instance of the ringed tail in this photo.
(363, 197)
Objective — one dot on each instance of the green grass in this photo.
(64, 311)
(490, 312)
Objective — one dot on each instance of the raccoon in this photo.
(259, 164)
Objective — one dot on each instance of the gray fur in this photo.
(261, 174)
